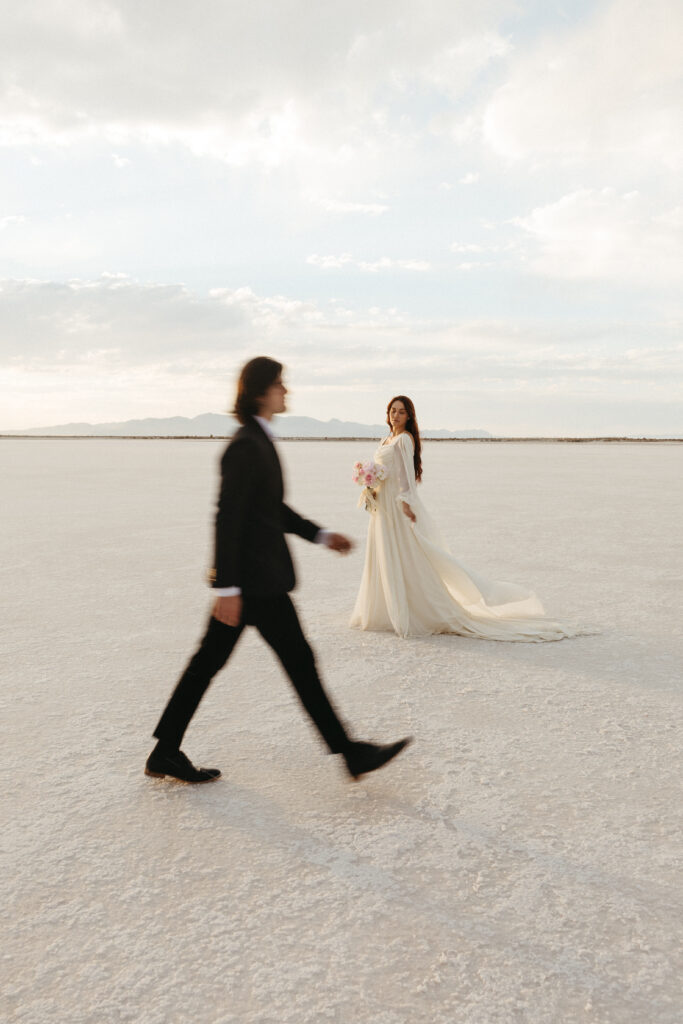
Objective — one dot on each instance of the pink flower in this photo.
(368, 474)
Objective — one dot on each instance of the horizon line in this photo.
(498, 438)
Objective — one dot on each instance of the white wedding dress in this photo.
(413, 585)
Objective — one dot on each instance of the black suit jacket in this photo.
(250, 549)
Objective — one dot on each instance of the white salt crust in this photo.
(519, 863)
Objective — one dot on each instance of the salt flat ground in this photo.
(517, 864)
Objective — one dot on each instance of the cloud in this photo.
(607, 89)
(11, 219)
(467, 179)
(470, 247)
(318, 86)
(477, 249)
(368, 267)
(119, 324)
(454, 67)
(223, 148)
(340, 207)
(113, 349)
(599, 234)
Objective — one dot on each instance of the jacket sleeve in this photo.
(406, 469)
(238, 477)
(294, 523)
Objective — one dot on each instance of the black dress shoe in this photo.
(362, 758)
(174, 763)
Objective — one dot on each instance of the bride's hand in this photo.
(407, 511)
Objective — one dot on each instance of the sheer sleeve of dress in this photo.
(406, 469)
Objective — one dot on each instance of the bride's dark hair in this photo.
(413, 430)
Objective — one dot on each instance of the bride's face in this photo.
(398, 417)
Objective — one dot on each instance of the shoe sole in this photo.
(188, 782)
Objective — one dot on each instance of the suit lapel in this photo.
(268, 448)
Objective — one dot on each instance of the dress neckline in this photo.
(387, 442)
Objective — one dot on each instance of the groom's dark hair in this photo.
(256, 377)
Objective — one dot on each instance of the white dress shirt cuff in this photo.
(322, 536)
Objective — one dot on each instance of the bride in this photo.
(411, 583)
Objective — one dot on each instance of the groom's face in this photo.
(273, 401)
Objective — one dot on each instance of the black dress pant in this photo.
(277, 622)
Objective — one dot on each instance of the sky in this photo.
(475, 204)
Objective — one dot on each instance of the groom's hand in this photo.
(228, 610)
(338, 542)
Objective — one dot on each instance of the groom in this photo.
(252, 578)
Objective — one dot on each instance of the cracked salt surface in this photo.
(520, 863)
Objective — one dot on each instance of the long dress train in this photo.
(413, 585)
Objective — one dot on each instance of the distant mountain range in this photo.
(221, 425)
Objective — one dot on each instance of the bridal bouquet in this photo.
(369, 476)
